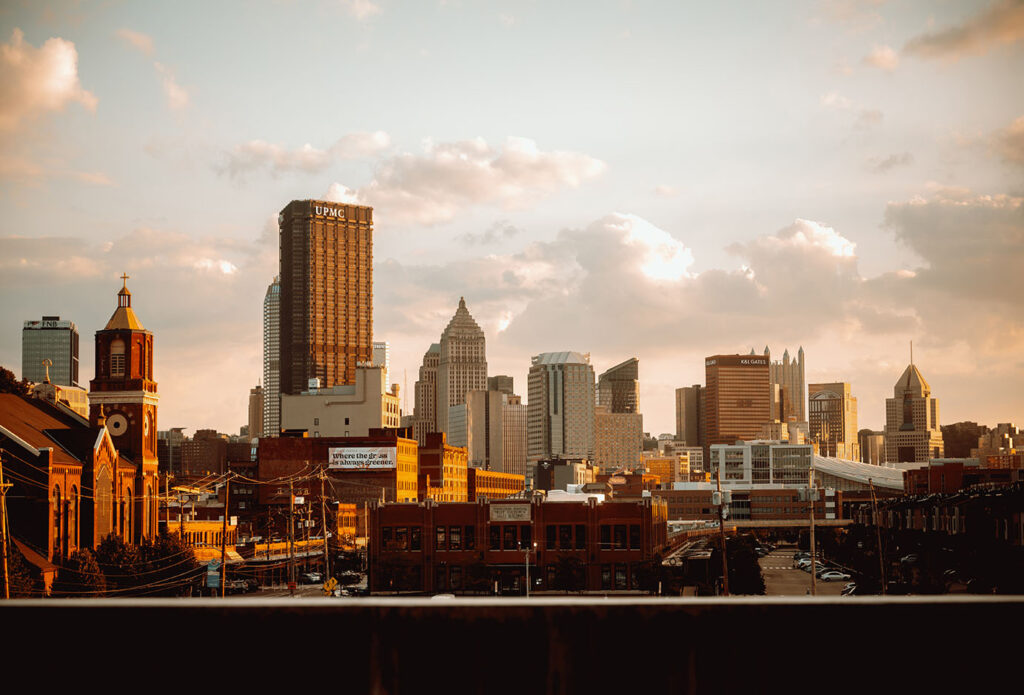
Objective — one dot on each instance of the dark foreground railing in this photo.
(542, 645)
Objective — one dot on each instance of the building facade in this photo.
(255, 421)
(53, 340)
(345, 410)
(737, 397)
(326, 293)
(462, 364)
(618, 388)
(271, 361)
(618, 439)
(832, 413)
(760, 463)
(912, 431)
(560, 406)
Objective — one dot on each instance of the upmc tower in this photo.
(326, 292)
(737, 397)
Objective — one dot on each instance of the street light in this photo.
(526, 551)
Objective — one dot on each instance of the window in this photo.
(510, 540)
(526, 534)
(552, 533)
(565, 537)
(455, 538)
(470, 538)
(606, 537)
(385, 537)
(455, 577)
(606, 574)
(634, 537)
(620, 536)
(620, 576)
(117, 361)
(495, 533)
(316, 421)
(415, 538)
(581, 537)
(346, 422)
(439, 543)
(402, 538)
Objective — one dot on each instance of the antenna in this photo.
(911, 353)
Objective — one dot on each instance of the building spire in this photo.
(911, 353)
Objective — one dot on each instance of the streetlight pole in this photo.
(810, 503)
(527, 553)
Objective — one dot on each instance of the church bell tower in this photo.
(124, 394)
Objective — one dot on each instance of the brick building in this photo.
(484, 547)
(442, 474)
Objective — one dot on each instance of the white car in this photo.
(833, 575)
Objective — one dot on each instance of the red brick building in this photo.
(442, 474)
(485, 547)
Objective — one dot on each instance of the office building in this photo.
(271, 361)
(560, 406)
(425, 408)
(254, 427)
(912, 431)
(788, 375)
(690, 415)
(462, 366)
(501, 383)
(872, 446)
(326, 293)
(618, 439)
(53, 340)
(382, 358)
(832, 414)
(492, 427)
(756, 463)
(619, 387)
(344, 410)
(737, 397)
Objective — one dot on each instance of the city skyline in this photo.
(671, 169)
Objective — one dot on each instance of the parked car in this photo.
(312, 578)
(834, 576)
(237, 586)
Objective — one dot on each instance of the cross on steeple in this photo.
(125, 277)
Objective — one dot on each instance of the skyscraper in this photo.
(619, 387)
(462, 366)
(382, 358)
(788, 375)
(425, 407)
(326, 292)
(54, 340)
(832, 413)
(560, 406)
(737, 397)
(912, 431)
(255, 422)
(618, 427)
(271, 362)
(690, 415)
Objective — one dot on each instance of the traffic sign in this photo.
(329, 586)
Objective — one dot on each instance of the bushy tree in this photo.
(119, 563)
(80, 576)
(167, 566)
(10, 384)
(21, 583)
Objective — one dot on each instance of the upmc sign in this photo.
(362, 457)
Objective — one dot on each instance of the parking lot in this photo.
(782, 579)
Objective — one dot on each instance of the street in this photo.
(781, 579)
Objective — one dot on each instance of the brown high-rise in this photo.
(737, 397)
(326, 292)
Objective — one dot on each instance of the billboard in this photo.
(362, 457)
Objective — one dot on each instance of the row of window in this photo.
(512, 537)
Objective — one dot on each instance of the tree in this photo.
(10, 384)
(119, 563)
(166, 566)
(80, 576)
(21, 584)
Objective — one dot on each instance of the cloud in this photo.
(35, 81)
(501, 230)
(137, 40)
(1010, 142)
(868, 118)
(434, 186)
(360, 9)
(835, 100)
(177, 96)
(259, 154)
(666, 191)
(880, 166)
(883, 58)
(999, 24)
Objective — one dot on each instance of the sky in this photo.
(660, 180)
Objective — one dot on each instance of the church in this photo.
(75, 481)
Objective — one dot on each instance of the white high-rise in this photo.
(272, 361)
(560, 408)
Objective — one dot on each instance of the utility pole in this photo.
(4, 487)
(323, 515)
(224, 535)
(810, 504)
(291, 539)
(878, 525)
(721, 532)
